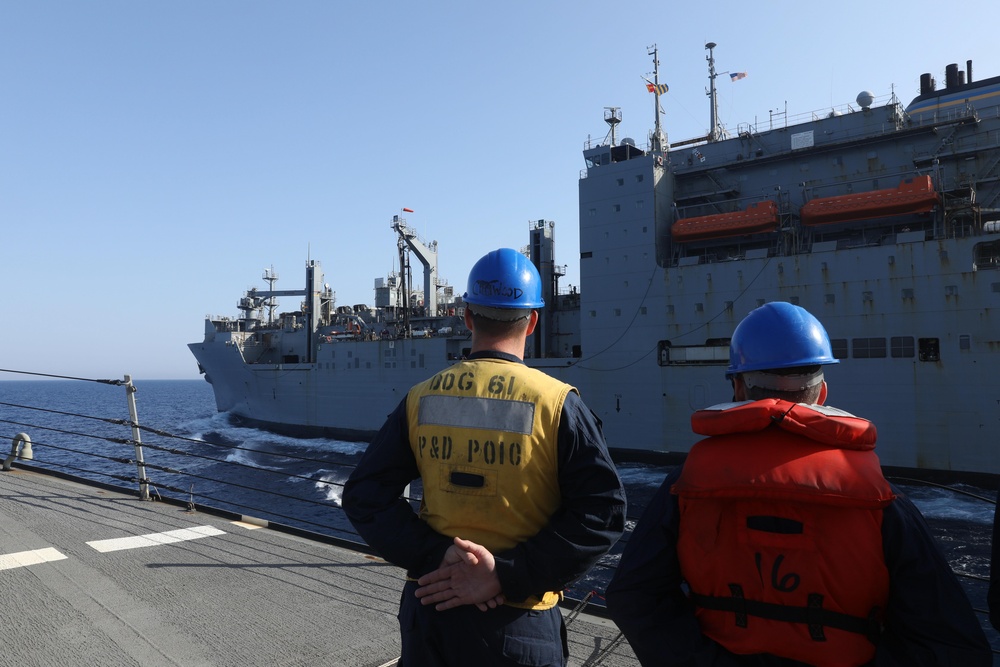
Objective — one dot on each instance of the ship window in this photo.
(715, 352)
(907, 292)
(638, 178)
(616, 208)
(929, 349)
(639, 203)
(642, 310)
(987, 256)
(593, 313)
(965, 342)
(592, 212)
(586, 255)
(620, 181)
(951, 290)
(829, 298)
(868, 348)
(699, 307)
(902, 347)
(618, 312)
(839, 347)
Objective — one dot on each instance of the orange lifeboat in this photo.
(914, 195)
(758, 218)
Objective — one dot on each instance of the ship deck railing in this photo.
(89, 479)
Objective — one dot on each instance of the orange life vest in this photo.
(780, 533)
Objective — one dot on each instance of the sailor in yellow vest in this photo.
(520, 496)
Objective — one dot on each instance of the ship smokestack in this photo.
(951, 76)
(968, 71)
(926, 83)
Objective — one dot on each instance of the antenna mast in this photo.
(658, 142)
(714, 133)
(271, 276)
(612, 116)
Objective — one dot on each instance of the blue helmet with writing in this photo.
(778, 335)
(504, 280)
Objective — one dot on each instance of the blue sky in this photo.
(157, 156)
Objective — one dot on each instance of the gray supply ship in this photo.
(881, 219)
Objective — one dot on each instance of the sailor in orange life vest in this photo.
(520, 496)
(779, 542)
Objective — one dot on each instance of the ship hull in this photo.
(909, 293)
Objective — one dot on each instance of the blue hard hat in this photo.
(778, 335)
(504, 279)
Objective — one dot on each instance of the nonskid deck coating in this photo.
(196, 589)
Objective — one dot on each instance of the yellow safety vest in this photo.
(484, 434)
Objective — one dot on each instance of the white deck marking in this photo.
(26, 558)
(155, 539)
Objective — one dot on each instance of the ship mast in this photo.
(714, 133)
(612, 116)
(658, 142)
(271, 276)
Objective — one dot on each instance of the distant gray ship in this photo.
(882, 220)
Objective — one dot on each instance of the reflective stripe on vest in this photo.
(484, 434)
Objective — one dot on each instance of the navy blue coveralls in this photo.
(589, 521)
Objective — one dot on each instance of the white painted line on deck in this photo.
(155, 539)
(26, 558)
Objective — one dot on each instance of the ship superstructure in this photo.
(880, 219)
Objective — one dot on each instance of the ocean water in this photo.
(197, 455)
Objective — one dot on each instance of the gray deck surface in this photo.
(246, 596)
